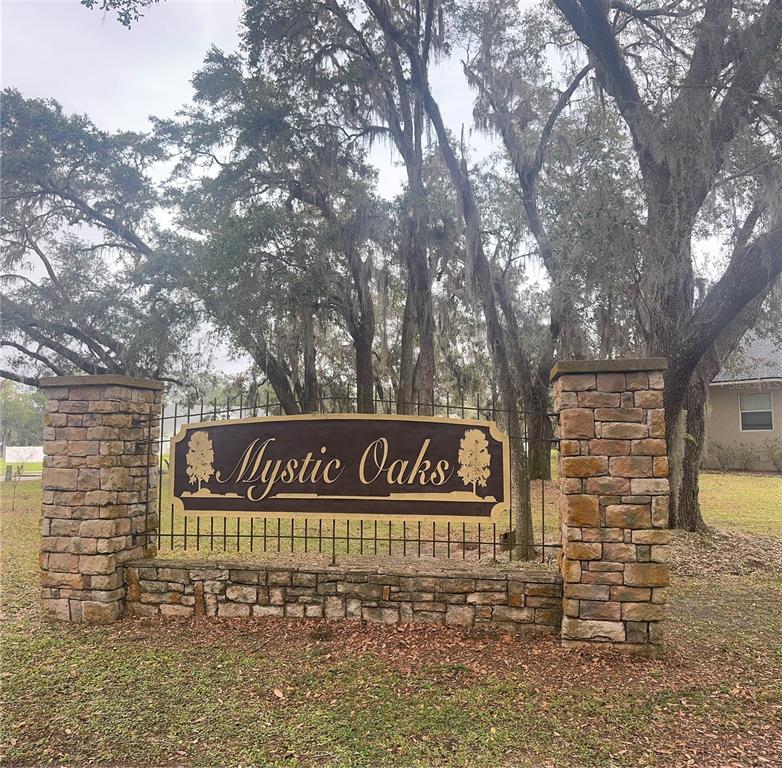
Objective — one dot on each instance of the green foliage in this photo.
(21, 415)
(285, 222)
(288, 252)
(721, 454)
(772, 449)
(78, 226)
(217, 390)
(742, 455)
(128, 11)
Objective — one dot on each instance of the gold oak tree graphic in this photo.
(200, 455)
(474, 459)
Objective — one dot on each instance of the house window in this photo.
(756, 412)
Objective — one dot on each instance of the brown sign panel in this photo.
(342, 465)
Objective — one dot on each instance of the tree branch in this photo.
(85, 338)
(709, 52)
(748, 273)
(47, 264)
(30, 327)
(120, 230)
(35, 355)
(395, 124)
(19, 378)
(589, 21)
(757, 55)
(748, 227)
(642, 13)
(562, 102)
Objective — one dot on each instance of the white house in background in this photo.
(744, 415)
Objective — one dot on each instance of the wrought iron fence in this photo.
(269, 536)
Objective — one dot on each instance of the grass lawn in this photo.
(30, 467)
(745, 502)
(733, 502)
(303, 693)
(26, 499)
(286, 536)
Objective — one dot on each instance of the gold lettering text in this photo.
(378, 448)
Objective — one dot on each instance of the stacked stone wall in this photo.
(524, 601)
(97, 491)
(613, 480)
(100, 484)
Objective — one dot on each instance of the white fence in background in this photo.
(23, 454)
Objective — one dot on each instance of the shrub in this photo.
(735, 455)
(745, 456)
(772, 448)
(720, 455)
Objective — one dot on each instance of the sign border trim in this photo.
(494, 431)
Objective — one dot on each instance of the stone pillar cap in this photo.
(100, 380)
(608, 366)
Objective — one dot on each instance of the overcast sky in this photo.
(90, 63)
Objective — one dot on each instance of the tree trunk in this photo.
(309, 394)
(424, 315)
(361, 324)
(679, 158)
(540, 434)
(534, 387)
(684, 455)
(685, 512)
(419, 288)
(282, 389)
(520, 496)
(365, 377)
(278, 379)
(404, 395)
(495, 335)
(424, 368)
(525, 536)
(669, 233)
(508, 390)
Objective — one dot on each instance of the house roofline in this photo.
(755, 379)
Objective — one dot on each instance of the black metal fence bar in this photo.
(328, 536)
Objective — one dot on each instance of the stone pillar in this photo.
(99, 490)
(613, 481)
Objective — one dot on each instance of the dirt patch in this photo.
(412, 648)
(718, 552)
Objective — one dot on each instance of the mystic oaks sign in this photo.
(342, 465)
